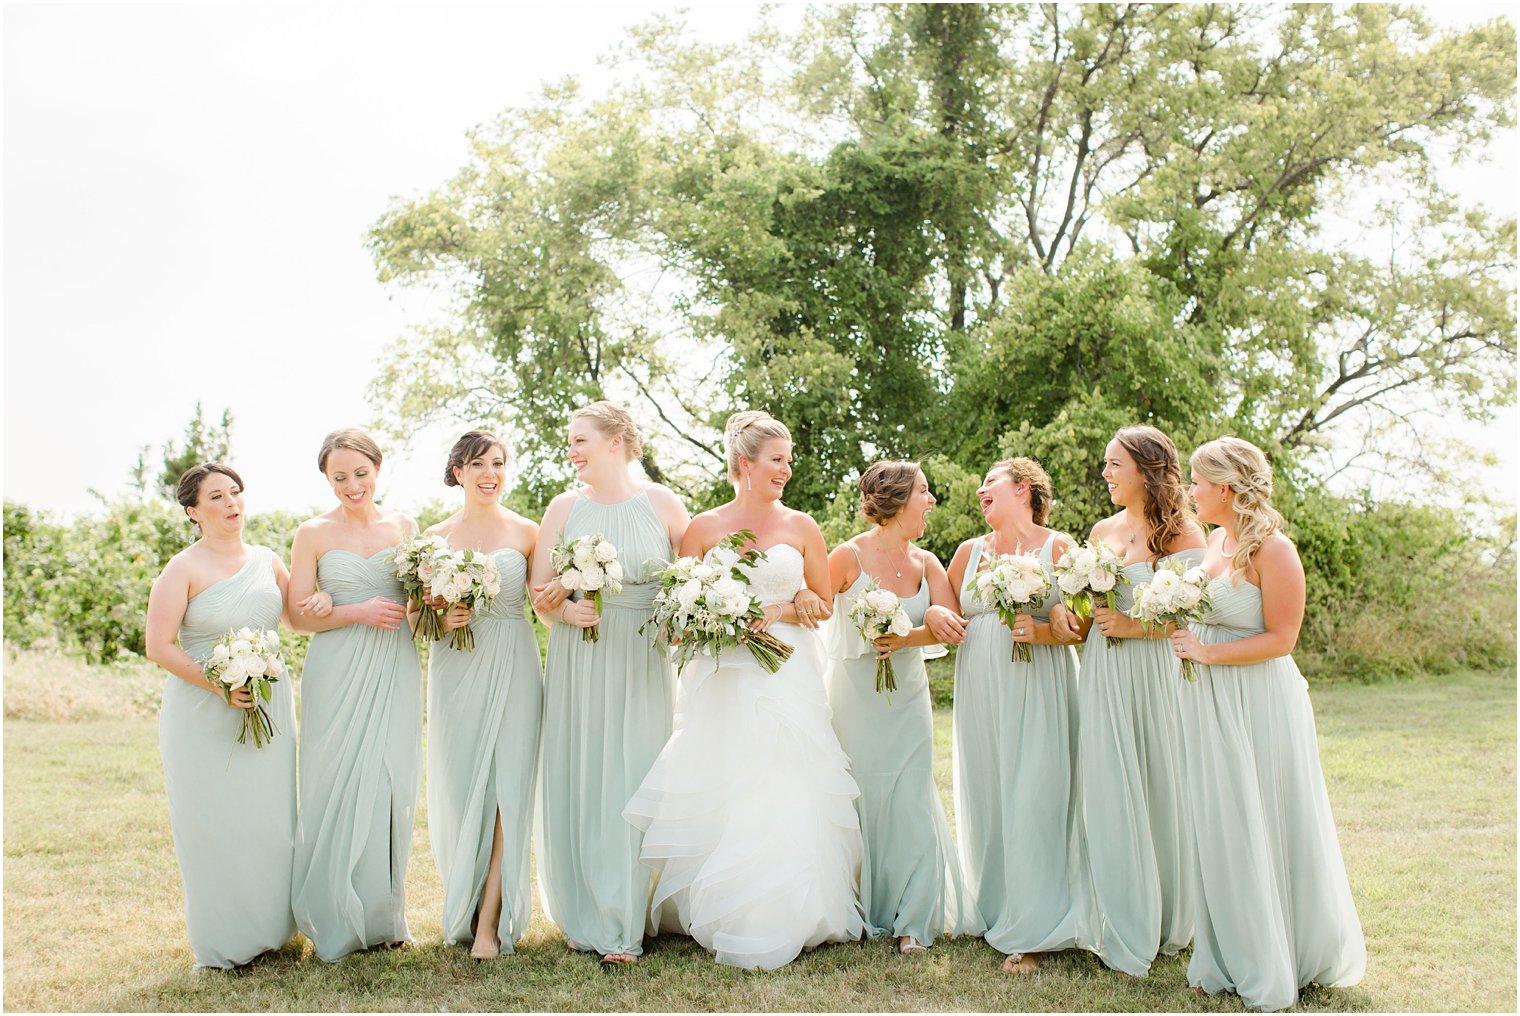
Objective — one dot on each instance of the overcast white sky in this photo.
(186, 194)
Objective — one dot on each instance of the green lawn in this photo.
(1421, 777)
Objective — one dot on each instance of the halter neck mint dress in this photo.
(1015, 742)
(1274, 910)
(361, 767)
(228, 801)
(910, 877)
(608, 709)
(1135, 836)
(484, 707)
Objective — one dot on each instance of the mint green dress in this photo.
(1274, 909)
(910, 877)
(228, 802)
(1015, 742)
(608, 708)
(484, 707)
(1135, 837)
(361, 767)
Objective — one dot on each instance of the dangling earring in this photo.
(747, 485)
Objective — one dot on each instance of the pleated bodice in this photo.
(248, 598)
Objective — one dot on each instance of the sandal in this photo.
(908, 946)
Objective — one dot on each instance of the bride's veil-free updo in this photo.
(1243, 467)
(746, 433)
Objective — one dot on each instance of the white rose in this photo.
(272, 665)
(900, 624)
(1022, 589)
(726, 587)
(585, 558)
(1083, 560)
(592, 580)
(614, 571)
(570, 579)
(704, 572)
(219, 654)
(1196, 576)
(242, 646)
(255, 666)
(425, 570)
(236, 674)
(245, 633)
(689, 594)
(1072, 582)
(1102, 580)
(881, 601)
(1188, 596)
(606, 552)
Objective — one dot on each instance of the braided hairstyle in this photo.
(885, 487)
(1166, 510)
(1243, 467)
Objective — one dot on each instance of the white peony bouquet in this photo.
(588, 564)
(877, 612)
(1087, 572)
(417, 560)
(702, 608)
(1174, 595)
(468, 577)
(252, 658)
(1011, 585)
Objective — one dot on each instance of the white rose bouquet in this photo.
(702, 608)
(417, 561)
(468, 577)
(252, 658)
(1010, 584)
(1174, 595)
(1087, 572)
(877, 612)
(588, 564)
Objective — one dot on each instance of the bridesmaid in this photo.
(1137, 846)
(910, 884)
(1274, 910)
(1015, 727)
(232, 807)
(361, 711)
(483, 716)
(608, 704)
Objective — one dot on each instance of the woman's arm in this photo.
(378, 611)
(167, 601)
(282, 580)
(943, 618)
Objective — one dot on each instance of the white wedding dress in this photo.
(748, 813)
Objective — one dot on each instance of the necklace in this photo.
(903, 563)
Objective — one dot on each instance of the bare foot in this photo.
(1026, 963)
(486, 947)
(619, 960)
(907, 945)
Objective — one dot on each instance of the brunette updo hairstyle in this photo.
(1243, 467)
(613, 420)
(885, 488)
(746, 433)
(472, 445)
(1026, 470)
(1166, 511)
(351, 439)
(188, 490)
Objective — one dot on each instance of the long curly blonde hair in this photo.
(1243, 467)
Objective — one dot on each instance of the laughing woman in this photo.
(483, 719)
(1135, 837)
(608, 703)
(361, 712)
(910, 880)
(232, 807)
(1274, 907)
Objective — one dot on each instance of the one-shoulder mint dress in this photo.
(1135, 837)
(1274, 909)
(484, 707)
(361, 767)
(231, 804)
(608, 709)
(1015, 744)
(910, 877)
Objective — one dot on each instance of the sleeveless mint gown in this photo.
(1015, 727)
(361, 767)
(484, 708)
(910, 878)
(1274, 910)
(607, 712)
(1135, 836)
(230, 801)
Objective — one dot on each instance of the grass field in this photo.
(1421, 777)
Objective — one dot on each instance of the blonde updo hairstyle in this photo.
(614, 421)
(1244, 469)
(885, 488)
(350, 439)
(745, 434)
(1027, 470)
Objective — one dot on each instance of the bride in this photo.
(747, 814)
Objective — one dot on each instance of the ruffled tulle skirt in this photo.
(748, 813)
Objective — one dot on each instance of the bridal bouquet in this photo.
(588, 564)
(703, 608)
(1011, 584)
(468, 577)
(1174, 595)
(1084, 573)
(417, 561)
(877, 612)
(248, 657)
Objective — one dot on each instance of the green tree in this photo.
(203, 442)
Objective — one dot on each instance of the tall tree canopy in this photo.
(973, 229)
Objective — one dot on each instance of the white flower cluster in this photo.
(1092, 567)
(702, 608)
(587, 564)
(1174, 595)
(1013, 583)
(243, 655)
(417, 561)
(877, 612)
(465, 576)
